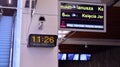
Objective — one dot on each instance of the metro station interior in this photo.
(20, 18)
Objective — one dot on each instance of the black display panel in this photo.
(77, 16)
(42, 40)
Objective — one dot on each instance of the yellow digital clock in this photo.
(41, 40)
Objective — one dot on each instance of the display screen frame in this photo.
(102, 28)
(42, 40)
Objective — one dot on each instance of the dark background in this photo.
(102, 56)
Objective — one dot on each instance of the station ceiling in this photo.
(13, 3)
(113, 25)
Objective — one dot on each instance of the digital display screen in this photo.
(73, 56)
(40, 40)
(62, 56)
(77, 16)
(85, 57)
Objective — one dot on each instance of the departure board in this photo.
(77, 16)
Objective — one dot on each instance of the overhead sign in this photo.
(77, 16)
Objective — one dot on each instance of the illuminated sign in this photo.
(77, 16)
(38, 40)
(74, 57)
